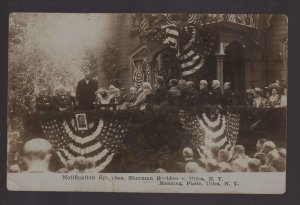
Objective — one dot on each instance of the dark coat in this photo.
(43, 103)
(215, 96)
(203, 97)
(160, 95)
(191, 98)
(85, 94)
(228, 97)
(62, 103)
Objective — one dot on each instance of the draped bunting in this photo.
(222, 131)
(99, 143)
(190, 60)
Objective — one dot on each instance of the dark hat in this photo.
(160, 79)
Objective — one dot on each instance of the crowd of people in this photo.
(174, 93)
(268, 158)
(38, 152)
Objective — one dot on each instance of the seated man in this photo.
(216, 93)
(203, 94)
(142, 97)
(61, 100)
(173, 93)
(43, 101)
(37, 155)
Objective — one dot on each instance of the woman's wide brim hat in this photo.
(273, 86)
(259, 91)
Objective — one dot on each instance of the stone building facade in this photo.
(252, 52)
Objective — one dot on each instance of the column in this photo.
(220, 59)
(247, 72)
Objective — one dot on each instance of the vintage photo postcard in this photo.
(147, 102)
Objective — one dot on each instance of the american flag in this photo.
(223, 131)
(140, 74)
(99, 143)
(194, 19)
(144, 24)
(171, 35)
(190, 61)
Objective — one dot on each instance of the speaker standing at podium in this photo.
(85, 92)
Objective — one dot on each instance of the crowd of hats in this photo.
(268, 158)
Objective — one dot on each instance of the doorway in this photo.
(234, 67)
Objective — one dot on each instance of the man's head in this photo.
(160, 80)
(190, 85)
(215, 84)
(182, 84)
(80, 163)
(259, 144)
(173, 82)
(87, 75)
(271, 156)
(160, 170)
(90, 164)
(223, 155)
(111, 89)
(70, 164)
(261, 157)
(227, 85)
(132, 90)
(279, 164)
(146, 86)
(60, 90)
(254, 165)
(187, 153)
(214, 151)
(240, 165)
(203, 84)
(212, 165)
(238, 150)
(117, 92)
(37, 155)
(282, 153)
(268, 146)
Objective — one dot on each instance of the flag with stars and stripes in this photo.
(98, 143)
(223, 131)
(144, 24)
(194, 18)
(190, 60)
(171, 35)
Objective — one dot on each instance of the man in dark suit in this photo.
(216, 93)
(203, 94)
(228, 95)
(85, 92)
(161, 91)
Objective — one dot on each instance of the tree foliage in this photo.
(111, 64)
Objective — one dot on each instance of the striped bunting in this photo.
(171, 35)
(194, 19)
(98, 144)
(222, 132)
(144, 25)
(190, 61)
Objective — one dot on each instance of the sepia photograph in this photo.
(157, 102)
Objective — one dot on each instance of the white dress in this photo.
(283, 101)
